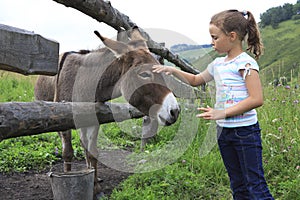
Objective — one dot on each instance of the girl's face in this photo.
(221, 42)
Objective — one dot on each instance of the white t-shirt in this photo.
(231, 87)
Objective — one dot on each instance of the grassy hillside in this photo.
(282, 50)
(281, 55)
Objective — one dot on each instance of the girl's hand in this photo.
(162, 68)
(211, 114)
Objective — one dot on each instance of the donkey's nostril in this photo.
(174, 113)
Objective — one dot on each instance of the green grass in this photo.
(15, 87)
(29, 153)
(280, 122)
(34, 152)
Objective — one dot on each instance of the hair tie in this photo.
(245, 12)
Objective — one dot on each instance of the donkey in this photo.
(119, 69)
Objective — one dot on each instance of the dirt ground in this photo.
(37, 186)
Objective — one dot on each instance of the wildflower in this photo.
(274, 120)
(142, 161)
(56, 151)
(296, 101)
(280, 129)
(298, 167)
(287, 87)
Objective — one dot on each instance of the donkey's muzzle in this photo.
(174, 114)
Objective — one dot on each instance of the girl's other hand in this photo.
(211, 114)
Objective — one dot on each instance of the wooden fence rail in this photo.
(31, 118)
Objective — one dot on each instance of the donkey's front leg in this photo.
(67, 149)
(89, 138)
(149, 130)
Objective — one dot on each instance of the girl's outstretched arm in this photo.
(191, 79)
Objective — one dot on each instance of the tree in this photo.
(275, 15)
(287, 11)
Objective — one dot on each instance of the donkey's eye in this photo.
(145, 75)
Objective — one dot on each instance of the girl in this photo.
(238, 93)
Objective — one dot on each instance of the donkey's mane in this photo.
(84, 51)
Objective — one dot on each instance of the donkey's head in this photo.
(145, 90)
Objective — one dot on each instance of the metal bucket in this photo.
(76, 185)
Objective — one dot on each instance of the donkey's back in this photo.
(48, 88)
(45, 88)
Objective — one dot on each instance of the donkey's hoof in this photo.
(99, 196)
(97, 189)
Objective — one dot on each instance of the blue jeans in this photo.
(241, 151)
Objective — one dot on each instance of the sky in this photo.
(169, 21)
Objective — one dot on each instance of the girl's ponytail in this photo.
(255, 45)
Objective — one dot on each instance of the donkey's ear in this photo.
(136, 34)
(118, 48)
(137, 40)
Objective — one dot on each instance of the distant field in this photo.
(193, 55)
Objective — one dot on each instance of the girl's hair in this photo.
(234, 20)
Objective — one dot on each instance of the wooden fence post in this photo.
(27, 53)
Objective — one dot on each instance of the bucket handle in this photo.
(49, 174)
